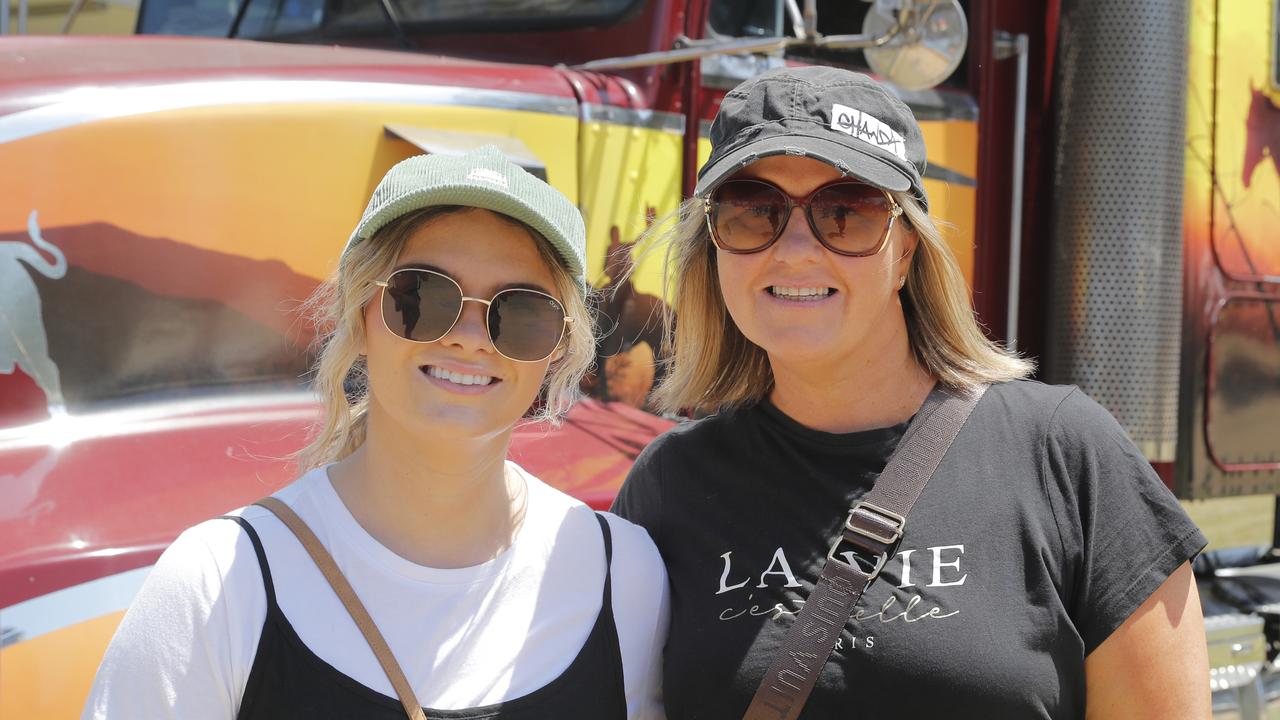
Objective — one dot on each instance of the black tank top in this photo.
(288, 680)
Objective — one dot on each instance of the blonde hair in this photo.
(338, 306)
(712, 366)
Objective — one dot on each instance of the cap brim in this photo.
(858, 164)
(477, 196)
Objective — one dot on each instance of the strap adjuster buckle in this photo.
(880, 516)
(868, 560)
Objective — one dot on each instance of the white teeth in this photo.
(808, 293)
(458, 378)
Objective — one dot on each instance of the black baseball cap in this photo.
(842, 118)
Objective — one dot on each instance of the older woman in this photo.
(1043, 572)
(413, 564)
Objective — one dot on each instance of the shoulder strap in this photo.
(866, 540)
(607, 603)
(347, 595)
(258, 550)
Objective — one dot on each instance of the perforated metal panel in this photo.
(1115, 303)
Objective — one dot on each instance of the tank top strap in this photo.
(258, 550)
(607, 604)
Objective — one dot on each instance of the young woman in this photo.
(458, 300)
(1043, 572)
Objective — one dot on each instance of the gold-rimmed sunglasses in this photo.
(422, 306)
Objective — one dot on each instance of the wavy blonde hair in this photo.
(712, 366)
(337, 309)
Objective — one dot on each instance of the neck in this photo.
(853, 393)
(444, 503)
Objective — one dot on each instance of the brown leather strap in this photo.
(870, 534)
(347, 595)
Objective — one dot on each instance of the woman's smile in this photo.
(460, 380)
(797, 295)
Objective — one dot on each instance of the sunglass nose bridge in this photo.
(473, 319)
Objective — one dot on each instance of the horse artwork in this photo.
(23, 342)
(1262, 134)
(629, 327)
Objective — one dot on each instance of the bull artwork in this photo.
(1262, 134)
(23, 342)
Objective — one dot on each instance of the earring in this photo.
(902, 281)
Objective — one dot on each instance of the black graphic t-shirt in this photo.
(1043, 529)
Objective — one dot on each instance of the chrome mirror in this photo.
(931, 39)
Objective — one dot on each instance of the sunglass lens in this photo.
(525, 325)
(747, 215)
(420, 305)
(851, 217)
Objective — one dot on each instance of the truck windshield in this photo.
(306, 19)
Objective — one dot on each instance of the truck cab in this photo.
(171, 198)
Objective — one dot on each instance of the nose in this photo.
(470, 332)
(797, 244)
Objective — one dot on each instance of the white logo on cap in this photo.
(868, 129)
(492, 177)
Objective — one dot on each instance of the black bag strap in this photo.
(866, 541)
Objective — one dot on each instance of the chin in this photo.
(798, 343)
(463, 422)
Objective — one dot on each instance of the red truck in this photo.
(168, 199)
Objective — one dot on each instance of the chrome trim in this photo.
(1019, 45)
(32, 618)
(648, 119)
(159, 417)
(89, 104)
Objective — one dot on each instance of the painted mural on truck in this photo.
(161, 226)
(1231, 365)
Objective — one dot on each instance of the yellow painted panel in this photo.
(953, 144)
(1246, 214)
(49, 677)
(630, 176)
(1198, 179)
(115, 17)
(284, 182)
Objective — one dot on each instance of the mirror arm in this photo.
(797, 19)
(72, 14)
(694, 50)
(838, 42)
(687, 49)
(811, 19)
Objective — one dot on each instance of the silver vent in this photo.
(1115, 300)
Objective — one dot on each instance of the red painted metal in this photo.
(993, 83)
(695, 24)
(110, 501)
(39, 67)
(1166, 471)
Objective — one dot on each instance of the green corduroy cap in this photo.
(481, 178)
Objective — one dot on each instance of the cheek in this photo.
(735, 288)
(372, 326)
(533, 375)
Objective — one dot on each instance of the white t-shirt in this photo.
(464, 637)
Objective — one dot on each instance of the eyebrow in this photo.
(500, 288)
